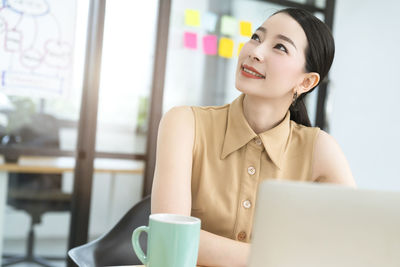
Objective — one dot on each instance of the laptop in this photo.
(321, 225)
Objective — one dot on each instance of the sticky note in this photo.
(228, 25)
(210, 44)
(240, 48)
(190, 40)
(225, 48)
(192, 17)
(209, 21)
(245, 28)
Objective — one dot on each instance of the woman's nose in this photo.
(258, 53)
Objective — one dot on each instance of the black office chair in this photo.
(115, 247)
(36, 193)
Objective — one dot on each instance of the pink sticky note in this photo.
(190, 40)
(210, 44)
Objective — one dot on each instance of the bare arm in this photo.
(171, 191)
(330, 164)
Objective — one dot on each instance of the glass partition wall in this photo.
(40, 126)
(41, 88)
(123, 107)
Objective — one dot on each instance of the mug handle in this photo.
(136, 246)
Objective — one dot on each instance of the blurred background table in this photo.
(57, 165)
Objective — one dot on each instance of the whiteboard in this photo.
(37, 46)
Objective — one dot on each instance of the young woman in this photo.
(210, 160)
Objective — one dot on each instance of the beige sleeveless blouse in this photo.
(229, 161)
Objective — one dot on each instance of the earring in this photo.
(294, 99)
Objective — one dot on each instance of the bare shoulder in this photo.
(330, 164)
(176, 131)
(324, 141)
(181, 116)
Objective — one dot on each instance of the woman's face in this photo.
(272, 63)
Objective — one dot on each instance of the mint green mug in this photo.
(172, 241)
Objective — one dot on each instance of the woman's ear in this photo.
(310, 80)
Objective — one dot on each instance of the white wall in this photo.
(366, 91)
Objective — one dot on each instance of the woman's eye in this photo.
(255, 37)
(281, 47)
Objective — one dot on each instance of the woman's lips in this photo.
(251, 72)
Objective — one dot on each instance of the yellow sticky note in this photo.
(245, 28)
(240, 48)
(192, 17)
(225, 48)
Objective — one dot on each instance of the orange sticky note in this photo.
(245, 28)
(225, 48)
(240, 48)
(192, 17)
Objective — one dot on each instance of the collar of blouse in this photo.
(239, 133)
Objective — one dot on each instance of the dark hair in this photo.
(319, 55)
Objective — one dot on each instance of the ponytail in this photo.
(298, 112)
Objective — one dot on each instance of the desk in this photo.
(57, 165)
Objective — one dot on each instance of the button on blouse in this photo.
(246, 204)
(251, 170)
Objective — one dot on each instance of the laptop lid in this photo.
(320, 225)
